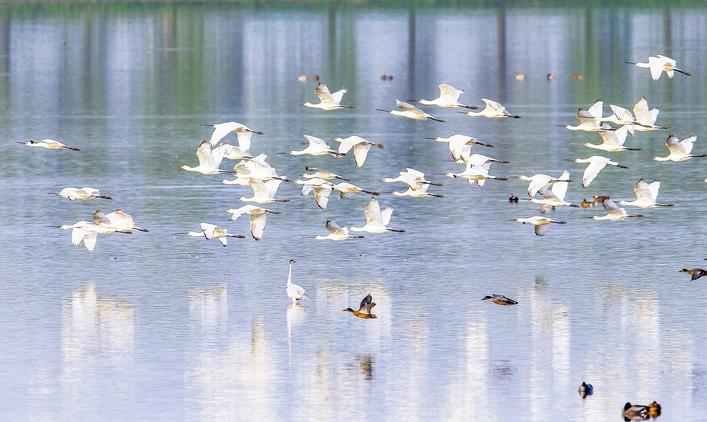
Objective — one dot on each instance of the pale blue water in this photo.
(161, 327)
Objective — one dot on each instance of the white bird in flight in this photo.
(294, 292)
(679, 150)
(588, 122)
(596, 164)
(254, 169)
(48, 144)
(337, 233)
(646, 195)
(376, 221)
(211, 232)
(263, 191)
(317, 146)
(659, 64)
(327, 100)
(209, 161)
(411, 177)
(613, 212)
(321, 188)
(460, 145)
(232, 152)
(82, 194)
(448, 98)
(410, 111)
(322, 174)
(646, 117)
(420, 192)
(347, 190)
(257, 217)
(612, 140)
(360, 147)
(539, 181)
(554, 196)
(493, 110)
(87, 232)
(243, 132)
(117, 220)
(540, 224)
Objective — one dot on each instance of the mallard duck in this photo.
(585, 390)
(695, 272)
(633, 412)
(500, 299)
(364, 309)
(586, 204)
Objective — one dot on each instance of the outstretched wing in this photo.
(688, 143)
(643, 115)
(675, 146)
(221, 130)
(372, 212)
(322, 91)
(559, 189)
(100, 219)
(257, 225)
(494, 105)
(339, 95)
(335, 228)
(321, 195)
(448, 91)
(366, 302)
(591, 172)
(316, 142)
(597, 109)
(540, 230)
(205, 156)
(361, 152)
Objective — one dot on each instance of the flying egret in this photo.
(679, 150)
(231, 152)
(243, 132)
(321, 188)
(646, 118)
(410, 111)
(364, 309)
(539, 181)
(327, 100)
(555, 195)
(360, 147)
(87, 232)
(660, 64)
(596, 164)
(211, 232)
(646, 195)
(411, 177)
(294, 292)
(613, 141)
(322, 174)
(540, 224)
(493, 110)
(317, 146)
(48, 144)
(346, 190)
(264, 192)
(257, 218)
(209, 160)
(613, 212)
(376, 221)
(81, 194)
(117, 220)
(336, 232)
(500, 300)
(448, 98)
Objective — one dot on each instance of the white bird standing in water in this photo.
(596, 164)
(327, 100)
(646, 195)
(209, 161)
(294, 292)
(376, 221)
(646, 118)
(336, 232)
(360, 147)
(555, 195)
(321, 188)
(243, 132)
(211, 232)
(613, 212)
(317, 146)
(48, 144)
(660, 64)
(81, 194)
(410, 111)
(540, 224)
(257, 217)
(493, 110)
(679, 150)
(448, 98)
(613, 141)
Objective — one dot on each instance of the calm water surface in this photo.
(161, 327)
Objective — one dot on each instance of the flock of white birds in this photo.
(264, 180)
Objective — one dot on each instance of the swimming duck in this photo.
(364, 309)
(695, 272)
(634, 412)
(551, 77)
(599, 199)
(654, 409)
(577, 77)
(520, 76)
(585, 390)
(513, 199)
(586, 204)
(500, 300)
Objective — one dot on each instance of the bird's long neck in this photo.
(289, 275)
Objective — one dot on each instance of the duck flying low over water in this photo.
(336, 232)
(679, 150)
(376, 221)
(410, 111)
(214, 232)
(327, 100)
(48, 144)
(257, 217)
(659, 64)
(243, 133)
(500, 299)
(695, 273)
(492, 110)
(360, 147)
(540, 224)
(294, 291)
(81, 194)
(364, 309)
(596, 164)
(646, 195)
(317, 146)
(614, 212)
(448, 98)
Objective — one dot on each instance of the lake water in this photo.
(155, 326)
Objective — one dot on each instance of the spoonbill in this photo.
(376, 221)
(493, 110)
(48, 144)
(208, 161)
(646, 118)
(646, 195)
(614, 212)
(87, 232)
(460, 145)
(612, 141)
(360, 147)
(321, 188)
(679, 150)
(322, 174)
(539, 181)
(81, 194)
(257, 217)
(336, 232)
(243, 132)
(555, 195)
(317, 146)
(117, 220)
(231, 152)
(476, 174)
(587, 122)
(419, 192)
(410, 111)
(659, 64)
(500, 300)
(596, 164)
(622, 117)
(411, 177)
(540, 224)
(448, 98)
(211, 232)
(264, 192)
(294, 292)
(327, 100)
(347, 190)
(364, 309)
(254, 169)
